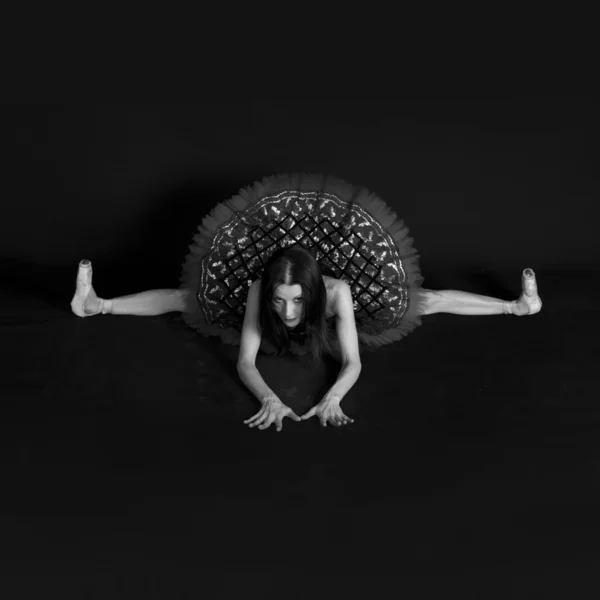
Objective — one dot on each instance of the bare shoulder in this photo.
(337, 293)
(252, 298)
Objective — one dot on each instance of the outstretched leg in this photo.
(86, 303)
(465, 303)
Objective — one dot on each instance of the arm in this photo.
(328, 410)
(348, 340)
(250, 343)
(273, 410)
(253, 380)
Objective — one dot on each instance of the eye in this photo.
(299, 300)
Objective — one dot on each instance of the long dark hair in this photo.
(295, 265)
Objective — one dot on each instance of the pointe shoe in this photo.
(83, 287)
(530, 292)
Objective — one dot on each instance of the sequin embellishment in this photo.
(350, 245)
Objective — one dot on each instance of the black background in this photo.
(471, 469)
(496, 182)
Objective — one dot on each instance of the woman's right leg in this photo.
(145, 304)
(86, 303)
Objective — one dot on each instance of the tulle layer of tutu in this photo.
(222, 214)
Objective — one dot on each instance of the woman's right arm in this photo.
(251, 337)
(273, 410)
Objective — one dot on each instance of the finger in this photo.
(341, 418)
(257, 422)
(279, 421)
(260, 419)
(345, 417)
(336, 417)
(309, 414)
(260, 413)
(266, 424)
(293, 415)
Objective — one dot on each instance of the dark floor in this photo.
(471, 471)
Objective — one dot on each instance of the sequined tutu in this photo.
(354, 235)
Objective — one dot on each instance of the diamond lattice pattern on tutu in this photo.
(341, 253)
(348, 244)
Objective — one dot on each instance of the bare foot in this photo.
(529, 302)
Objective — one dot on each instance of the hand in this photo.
(273, 411)
(328, 410)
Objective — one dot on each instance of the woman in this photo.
(285, 262)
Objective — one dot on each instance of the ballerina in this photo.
(310, 295)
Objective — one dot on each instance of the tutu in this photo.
(352, 233)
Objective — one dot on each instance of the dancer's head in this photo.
(293, 295)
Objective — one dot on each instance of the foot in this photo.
(529, 302)
(85, 303)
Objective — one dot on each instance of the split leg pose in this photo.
(287, 305)
(86, 303)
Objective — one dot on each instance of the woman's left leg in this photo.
(465, 303)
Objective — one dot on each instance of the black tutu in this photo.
(353, 234)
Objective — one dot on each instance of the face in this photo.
(288, 303)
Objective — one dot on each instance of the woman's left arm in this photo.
(328, 409)
(348, 341)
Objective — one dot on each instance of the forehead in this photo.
(288, 292)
